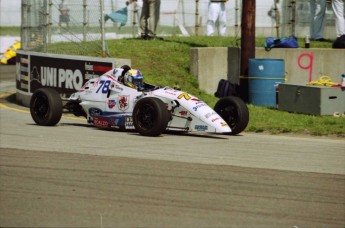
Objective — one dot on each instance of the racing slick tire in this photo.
(235, 112)
(150, 116)
(46, 107)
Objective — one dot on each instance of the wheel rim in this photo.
(41, 107)
(146, 116)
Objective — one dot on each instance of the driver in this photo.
(134, 79)
(129, 77)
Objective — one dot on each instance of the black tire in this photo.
(150, 116)
(46, 107)
(235, 112)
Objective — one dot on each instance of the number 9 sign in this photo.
(308, 66)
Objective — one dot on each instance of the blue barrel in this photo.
(264, 76)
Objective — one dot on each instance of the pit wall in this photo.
(211, 64)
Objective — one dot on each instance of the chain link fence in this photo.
(51, 21)
(83, 29)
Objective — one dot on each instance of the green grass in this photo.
(166, 62)
(276, 122)
(9, 31)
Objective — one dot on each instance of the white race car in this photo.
(120, 99)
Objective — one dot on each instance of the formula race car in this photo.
(120, 99)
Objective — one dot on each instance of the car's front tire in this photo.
(150, 116)
(235, 112)
(46, 107)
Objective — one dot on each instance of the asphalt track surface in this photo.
(74, 175)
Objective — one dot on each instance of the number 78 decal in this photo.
(104, 85)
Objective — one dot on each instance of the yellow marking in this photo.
(6, 94)
(185, 95)
(13, 109)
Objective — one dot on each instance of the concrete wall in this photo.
(210, 65)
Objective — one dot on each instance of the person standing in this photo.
(338, 9)
(318, 16)
(216, 12)
(64, 14)
(149, 18)
(274, 13)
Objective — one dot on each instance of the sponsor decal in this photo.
(183, 113)
(58, 77)
(91, 76)
(111, 103)
(170, 91)
(215, 119)
(90, 67)
(129, 123)
(100, 122)
(95, 112)
(199, 105)
(201, 127)
(22, 72)
(123, 102)
(208, 115)
(115, 122)
(63, 74)
(116, 86)
(223, 124)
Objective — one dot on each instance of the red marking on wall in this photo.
(308, 66)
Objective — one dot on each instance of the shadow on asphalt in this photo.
(134, 133)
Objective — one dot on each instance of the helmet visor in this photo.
(137, 81)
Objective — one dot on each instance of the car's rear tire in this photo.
(150, 116)
(235, 112)
(46, 107)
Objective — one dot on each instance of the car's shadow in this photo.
(190, 134)
(134, 133)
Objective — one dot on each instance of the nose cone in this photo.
(222, 127)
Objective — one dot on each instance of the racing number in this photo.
(104, 85)
(185, 96)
